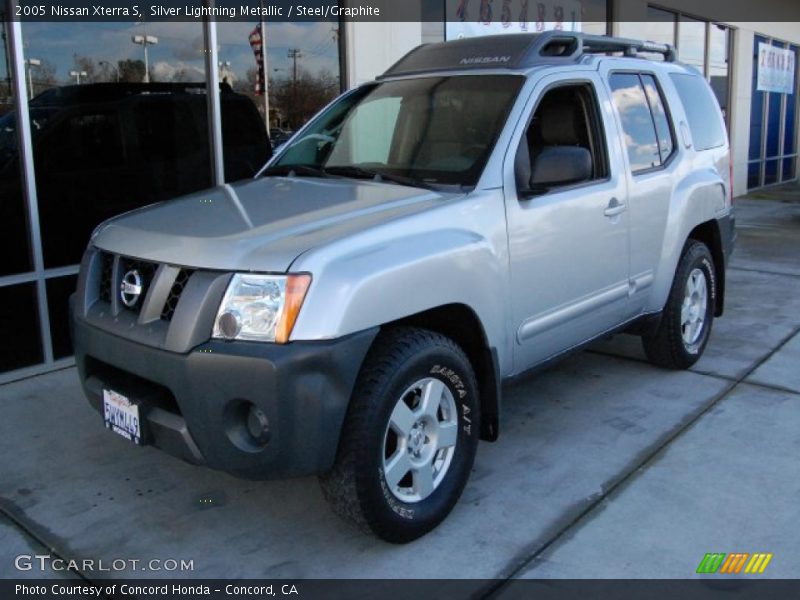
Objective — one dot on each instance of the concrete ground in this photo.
(606, 467)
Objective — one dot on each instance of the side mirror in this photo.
(556, 166)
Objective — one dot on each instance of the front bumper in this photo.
(192, 403)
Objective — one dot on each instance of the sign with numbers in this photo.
(776, 67)
(470, 18)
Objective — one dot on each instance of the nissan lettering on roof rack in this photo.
(484, 208)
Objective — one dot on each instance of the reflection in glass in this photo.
(637, 123)
(719, 64)
(692, 42)
(753, 175)
(58, 293)
(771, 172)
(594, 16)
(302, 68)
(665, 143)
(104, 140)
(19, 322)
(660, 28)
(790, 126)
(15, 247)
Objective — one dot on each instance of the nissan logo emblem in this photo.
(131, 288)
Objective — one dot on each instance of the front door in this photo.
(569, 247)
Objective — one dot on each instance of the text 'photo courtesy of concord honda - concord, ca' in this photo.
(354, 309)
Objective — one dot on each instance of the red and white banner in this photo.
(256, 43)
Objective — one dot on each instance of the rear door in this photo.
(569, 245)
(649, 149)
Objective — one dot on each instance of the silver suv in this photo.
(484, 207)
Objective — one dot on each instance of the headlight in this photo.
(262, 308)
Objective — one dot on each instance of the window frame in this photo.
(665, 164)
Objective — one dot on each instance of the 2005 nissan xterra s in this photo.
(484, 207)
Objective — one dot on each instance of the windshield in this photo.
(432, 130)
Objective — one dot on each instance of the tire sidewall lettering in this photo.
(400, 509)
(707, 267)
(460, 393)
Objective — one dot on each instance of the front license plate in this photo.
(122, 416)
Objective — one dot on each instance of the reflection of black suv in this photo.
(103, 149)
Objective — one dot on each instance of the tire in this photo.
(382, 436)
(682, 335)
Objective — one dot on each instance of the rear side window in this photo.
(702, 111)
(637, 121)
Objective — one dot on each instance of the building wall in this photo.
(374, 47)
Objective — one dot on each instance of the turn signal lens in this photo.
(296, 289)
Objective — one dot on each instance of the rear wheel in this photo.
(686, 322)
(410, 436)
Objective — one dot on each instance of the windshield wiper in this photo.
(364, 173)
(295, 170)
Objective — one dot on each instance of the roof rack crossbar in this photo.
(629, 47)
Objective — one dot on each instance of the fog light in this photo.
(230, 324)
(258, 424)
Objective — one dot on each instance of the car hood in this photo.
(259, 225)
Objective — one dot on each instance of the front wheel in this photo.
(686, 321)
(409, 438)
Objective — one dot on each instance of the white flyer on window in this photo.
(776, 68)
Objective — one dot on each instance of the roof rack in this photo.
(519, 51)
(600, 44)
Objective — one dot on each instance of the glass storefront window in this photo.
(692, 42)
(594, 17)
(719, 44)
(660, 27)
(773, 127)
(702, 44)
(58, 293)
(303, 76)
(19, 322)
(124, 123)
(15, 247)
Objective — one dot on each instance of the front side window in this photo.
(631, 102)
(566, 123)
(431, 130)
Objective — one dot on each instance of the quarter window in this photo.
(660, 118)
(637, 121)
(702, 111)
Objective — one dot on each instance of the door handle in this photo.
(615, 207)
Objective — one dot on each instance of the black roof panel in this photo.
(517, 51)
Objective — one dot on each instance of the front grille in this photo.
(175, 293)
(106, 273)
(146, 271)
(109, 290)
